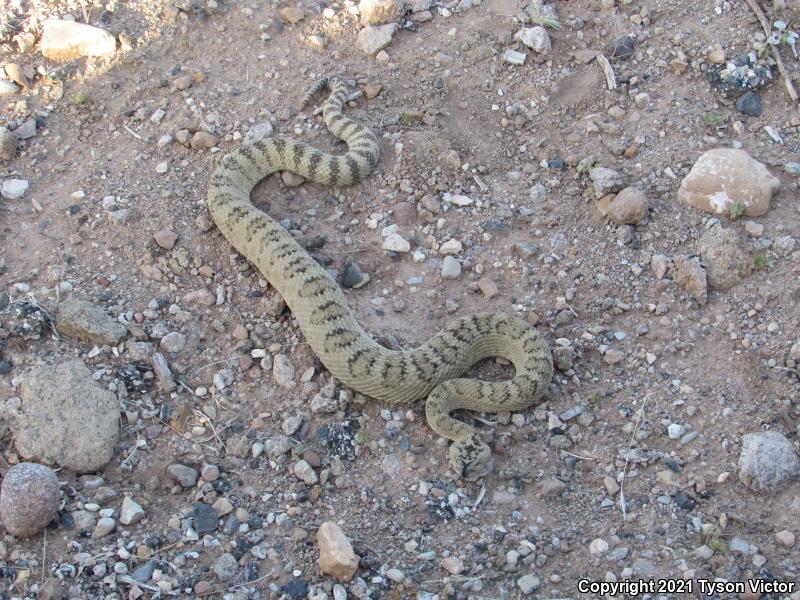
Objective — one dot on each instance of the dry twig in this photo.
(762, 18)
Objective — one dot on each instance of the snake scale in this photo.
(320, 307)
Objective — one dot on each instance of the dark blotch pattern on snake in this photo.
(435, 368)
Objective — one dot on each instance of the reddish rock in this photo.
(28, 499)
(627, 207)
(405, 213)
(165, 238)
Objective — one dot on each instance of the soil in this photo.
(453, 118)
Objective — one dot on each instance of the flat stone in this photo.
(184, 82)
(258, 132)
(203, 140)
(27, 130)
(612, 487)
(83, 436)
(717, 56)
(395, 243)
(375, 12)
(14, 189)
(372, 91)
(513, 57)
(767, 461)
(88, 322)
(144, 572)
(292, 14)
(67, 40)
(186, 476)
(336, 556)
(404, 213)
(292, 179)
(726, 177)
(552, 488)
(374, 38)
(8, 145)
(606, 181)
(488, 287)
(29, 499)
(8, 88)
(451, 246)
(202, 297)
(395, 575)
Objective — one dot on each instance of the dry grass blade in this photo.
(762, 18)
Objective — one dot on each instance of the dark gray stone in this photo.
(205, 518)
(749, 104)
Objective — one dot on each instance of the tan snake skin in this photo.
(318, 304)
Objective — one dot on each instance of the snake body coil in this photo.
(318, 304)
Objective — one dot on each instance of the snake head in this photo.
(470, 458)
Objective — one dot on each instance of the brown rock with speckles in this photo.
(28, 499)
(691, 276)
(87, 322)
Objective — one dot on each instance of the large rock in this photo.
(724, 256)
(375, 12)
(767, 461)
(67, 40)
(724, 177)
(28, 499)
(67, 418)
(336, 556)
(373, 39)
(88, 322)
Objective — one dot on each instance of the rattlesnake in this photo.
(320, 307)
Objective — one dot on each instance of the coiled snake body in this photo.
(318, 304)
